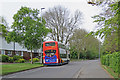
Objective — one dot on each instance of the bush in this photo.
(10, 59)
(112, 60)
(5, 58)
(20, 61)
(15, 57)
(34, 59)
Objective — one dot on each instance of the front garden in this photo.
(16, 64)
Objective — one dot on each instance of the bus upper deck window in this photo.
(50, 44)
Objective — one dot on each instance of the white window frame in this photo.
(9, 53)
(21, 53)
(17, 53)
(3, 52)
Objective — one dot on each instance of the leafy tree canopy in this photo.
(3, 26)
(28, 28)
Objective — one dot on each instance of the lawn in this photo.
(11, 68)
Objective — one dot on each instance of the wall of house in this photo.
(8, 49)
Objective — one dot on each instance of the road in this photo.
(81, 69)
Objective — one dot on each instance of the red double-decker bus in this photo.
(54, 53)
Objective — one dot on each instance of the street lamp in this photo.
(41, 14)
(91, 1)
(41, 37)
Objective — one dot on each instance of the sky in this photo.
(10, 7)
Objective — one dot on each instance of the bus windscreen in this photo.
(50, 53)
(50, 44)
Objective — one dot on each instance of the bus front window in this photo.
(50, 44)
(50, 53)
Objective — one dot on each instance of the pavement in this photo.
(77, 69)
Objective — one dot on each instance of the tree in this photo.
(87, 46)
(3, 26)
(108, 23)
(111, 43)
(100, 2)
(28, 29)
(62, 23)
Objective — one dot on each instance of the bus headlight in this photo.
(44, 61)
(57, 60)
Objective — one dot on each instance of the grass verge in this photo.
(115, 75)
(11, 68)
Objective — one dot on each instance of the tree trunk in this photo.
(78, 55)
(31, 57)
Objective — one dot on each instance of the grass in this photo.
(115, 75)
(11, 68)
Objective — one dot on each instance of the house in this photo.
(12, 49)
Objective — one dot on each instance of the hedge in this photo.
(10, 59)
(5, 58)
(112, 61)
(15, 57)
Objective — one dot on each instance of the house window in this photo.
(22, 53)
(9, 53)
(3, 52)
(17, 53)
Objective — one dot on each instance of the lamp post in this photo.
(41, 14)
(91, 2)
(41, 38)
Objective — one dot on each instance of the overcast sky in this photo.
(9, 7)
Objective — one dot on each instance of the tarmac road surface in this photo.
(77, 69)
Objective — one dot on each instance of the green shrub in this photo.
(112, 60)
(20, 61)
(15, 57)
(10, 59)
(5, 58)
(34, 59)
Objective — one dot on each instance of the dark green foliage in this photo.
(112, 60)
(73, 55)
(10, 59)
(5, 58)
(15, 57)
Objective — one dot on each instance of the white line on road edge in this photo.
(77, 74)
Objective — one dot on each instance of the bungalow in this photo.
(12, 49)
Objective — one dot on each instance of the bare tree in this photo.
(62, 23)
